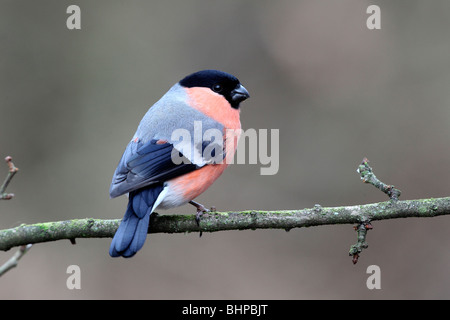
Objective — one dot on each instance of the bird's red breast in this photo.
(191, 185)
(218, 108)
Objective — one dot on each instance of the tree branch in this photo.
(11, 172)
(213, 221)
(221, 221)
(14, 260)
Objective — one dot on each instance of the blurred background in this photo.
(337, 91)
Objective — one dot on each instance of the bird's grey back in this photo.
(172, 112)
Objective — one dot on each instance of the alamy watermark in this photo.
(73, 22)
(74, 280)
(213, 146)
(374, 280)
(373, 22)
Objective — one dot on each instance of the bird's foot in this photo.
(200, 210)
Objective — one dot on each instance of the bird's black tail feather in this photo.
(132, 232)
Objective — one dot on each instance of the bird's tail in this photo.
(132, 232)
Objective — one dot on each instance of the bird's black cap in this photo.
(220, 82)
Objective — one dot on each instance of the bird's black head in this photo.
(220, 82)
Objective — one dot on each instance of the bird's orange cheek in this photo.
(214, 106)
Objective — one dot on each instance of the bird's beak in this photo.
(239, 94)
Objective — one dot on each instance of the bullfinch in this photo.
(157, 170)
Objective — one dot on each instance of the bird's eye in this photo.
(217, 87)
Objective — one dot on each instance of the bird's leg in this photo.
(200, 210)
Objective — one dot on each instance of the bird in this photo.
(204, 100)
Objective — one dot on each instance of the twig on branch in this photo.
(14, 260)
(361, 244)
(11, 172)
(368, 176)
(221, 221)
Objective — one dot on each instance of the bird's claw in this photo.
(200, 211)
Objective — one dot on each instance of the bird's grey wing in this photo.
(143, 164)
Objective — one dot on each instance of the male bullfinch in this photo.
(147, 170)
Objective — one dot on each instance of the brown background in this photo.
(71, 100)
